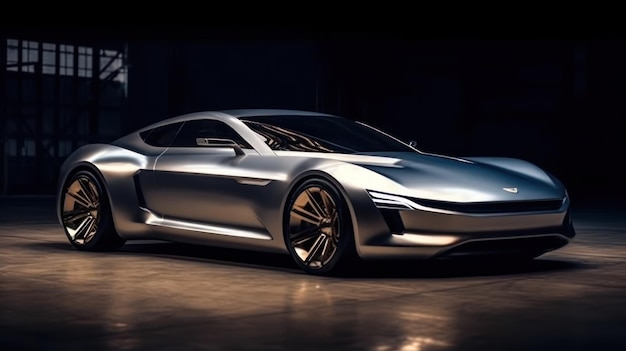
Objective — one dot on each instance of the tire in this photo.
(317, 228)
(86, 214)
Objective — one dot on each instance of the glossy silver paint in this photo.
(212, 196)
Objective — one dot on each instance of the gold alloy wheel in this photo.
(81, 210)
(314, 227)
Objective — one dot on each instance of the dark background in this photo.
(555, 101)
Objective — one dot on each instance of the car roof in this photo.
(272, 112)
(234, 113)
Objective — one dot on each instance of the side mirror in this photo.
(216, 142)
(412, 143)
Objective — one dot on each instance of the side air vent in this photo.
(140, 198)
(393, 220)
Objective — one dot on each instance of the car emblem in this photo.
(511, 190)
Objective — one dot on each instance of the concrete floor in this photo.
(162, 296)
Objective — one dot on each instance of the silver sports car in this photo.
(324, 189)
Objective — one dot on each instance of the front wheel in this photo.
(317, 228)
(86, 214)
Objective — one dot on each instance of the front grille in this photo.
(494, 207)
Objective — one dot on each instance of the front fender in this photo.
(115, 167)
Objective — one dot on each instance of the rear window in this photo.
(161, 136)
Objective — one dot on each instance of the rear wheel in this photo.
(86, 214)
(317, 228)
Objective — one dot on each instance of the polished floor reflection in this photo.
(162, 296)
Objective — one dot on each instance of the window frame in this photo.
(241, 141)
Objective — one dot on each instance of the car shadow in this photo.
(211, 254)
(358, 269)
(457, 268)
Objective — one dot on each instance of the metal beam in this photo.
(113, 58)
(39, 147)
(75, 105)
(3, 115)
(56, 100)
(113, 74)
(94, 99)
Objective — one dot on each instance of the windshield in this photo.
(321, 134)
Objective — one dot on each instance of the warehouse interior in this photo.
(554, 102)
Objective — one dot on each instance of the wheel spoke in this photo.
(314, 202)
(334, 217)
(335, 227)
(93, 228)
(303, 236)
(318, 252)
(83, 229)
(80, 199)
(305, 215)
(89, 189)
(72, 216)
(314, 251)
(329, 205)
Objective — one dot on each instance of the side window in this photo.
(206, 128)
(161, 136)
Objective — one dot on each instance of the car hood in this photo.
(462, 180)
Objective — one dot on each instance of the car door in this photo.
(199, 185)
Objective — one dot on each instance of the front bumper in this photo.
(426, 233)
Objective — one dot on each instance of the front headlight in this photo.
(394, 202)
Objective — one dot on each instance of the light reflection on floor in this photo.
(156, 296)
